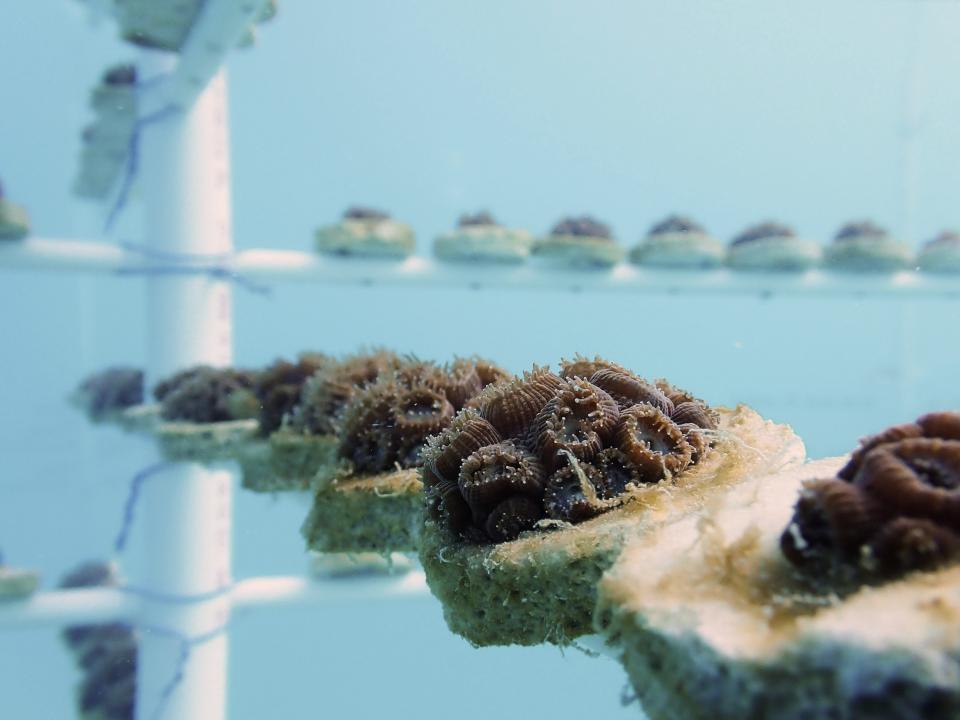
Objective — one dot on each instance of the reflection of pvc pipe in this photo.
(271, 266)
(187, 509)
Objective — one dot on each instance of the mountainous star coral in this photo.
(563, 447)
(892, 509)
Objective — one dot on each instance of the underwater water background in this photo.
(811, 112)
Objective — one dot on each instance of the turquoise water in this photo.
(430, 110)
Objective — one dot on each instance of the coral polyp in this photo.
(652, 442)
(920, 477)
(467, 433)
(831, 518)
(512, 405)
(511, 517)
(584, 367)
(494, 473)
(693, 413)
(629, 389)
(907, 544)
(894, 507)
(577, 421)
(562, 441)
(571, 493)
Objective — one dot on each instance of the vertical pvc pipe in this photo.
(186, 511)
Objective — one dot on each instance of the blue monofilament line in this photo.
(187, 264)
(133, 163)
(130, 506)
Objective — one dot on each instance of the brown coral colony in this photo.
(562, 447)
(894, 507)
(386, 423)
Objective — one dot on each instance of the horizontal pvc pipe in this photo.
(288, 591)
(99, 605)
(68, 607)
(274, 266)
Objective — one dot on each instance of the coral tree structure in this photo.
(892, 509)
(561, 447)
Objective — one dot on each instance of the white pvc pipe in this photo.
(299, 591)
(219, 27)
(186, 510)
(59, 608)
(69, 607)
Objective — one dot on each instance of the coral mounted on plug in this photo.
(536, 484)
(372, 501)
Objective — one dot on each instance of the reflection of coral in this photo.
(894, 508)
(106, 654)
(206, 395)
(110, 390)
(570, 447)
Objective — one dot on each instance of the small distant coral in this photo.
(204, 394)
(106, 654)
(357, 212)
(675, 224)
(110, 390)
(481, 218)
(945, 238)
(582, 226)
(561, 446)
(124, 74)
(762, 231)
(892, 509)
(860, 229)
